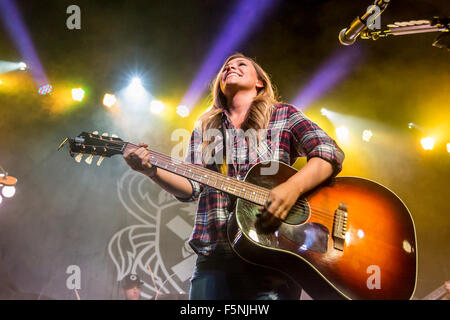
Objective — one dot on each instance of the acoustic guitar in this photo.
(349, 238)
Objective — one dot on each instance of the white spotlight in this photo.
(135, 82)
(8, 191)
(135, 91)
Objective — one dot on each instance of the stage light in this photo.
(22, 66)
(427, 143)
(324, 112)
(157, 107)
(234, 31)
(109, 100)
(77, 94)
(8, 191)
(135, 92)
(448, 147)
(342, 134)
(1, 82)
(45, 89)
(410, 125)
(135, 85)
(183, 111)
(7, 184)
(367, 135)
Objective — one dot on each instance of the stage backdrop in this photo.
(78, 228)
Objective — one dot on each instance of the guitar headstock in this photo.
(93, 144)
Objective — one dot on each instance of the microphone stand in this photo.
(436, 24)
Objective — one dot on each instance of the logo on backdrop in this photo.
(156, 247)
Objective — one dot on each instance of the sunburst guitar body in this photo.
(350, 238)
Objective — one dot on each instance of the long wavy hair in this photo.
(260, 111)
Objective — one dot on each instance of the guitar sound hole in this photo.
(299, 213)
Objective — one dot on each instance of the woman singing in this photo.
(244, 99)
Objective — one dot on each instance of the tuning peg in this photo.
(114, 136)
(99, 162)
(78, 157)
(89, 159)
(105, 134)
(95, 132)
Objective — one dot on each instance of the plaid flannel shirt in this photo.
(289, 135)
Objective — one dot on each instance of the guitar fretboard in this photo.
(213, 179)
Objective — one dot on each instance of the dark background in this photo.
(64, 213)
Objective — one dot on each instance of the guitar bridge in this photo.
(340, 226)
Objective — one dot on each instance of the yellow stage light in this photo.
(183, 111)
(448, 147)
(427, 143)
(367, 135)
(325, 112)
(109, 100)
(157, 107)
(77, 94)
(342, 134)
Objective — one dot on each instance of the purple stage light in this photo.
(335, 69)
(245, 17)
(19, 35)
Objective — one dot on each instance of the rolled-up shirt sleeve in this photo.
(197, 189)
(194, 156)
(311, 141)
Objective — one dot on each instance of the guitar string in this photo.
(230, 180)
(264, 193)
(261, 191)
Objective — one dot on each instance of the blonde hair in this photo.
(260, 111)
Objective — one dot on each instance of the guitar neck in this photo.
(213, 179)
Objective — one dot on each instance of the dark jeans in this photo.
(225, 277)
